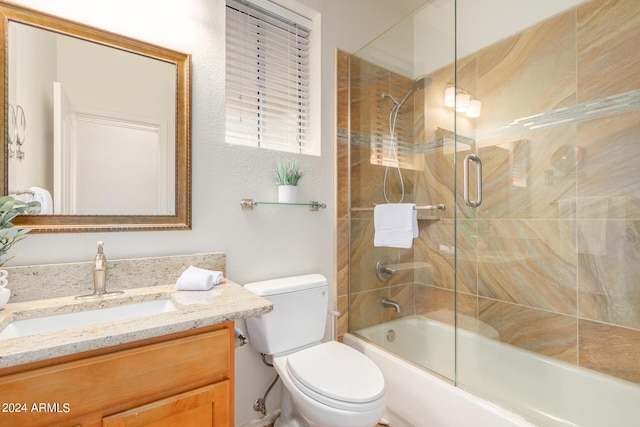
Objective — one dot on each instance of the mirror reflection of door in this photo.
(87, 150)
(101, 135)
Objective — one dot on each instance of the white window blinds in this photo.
(267, 78)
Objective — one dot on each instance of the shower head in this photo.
(419, 83)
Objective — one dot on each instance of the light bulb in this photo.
(474, 107)
(462, 102)
(450, 96)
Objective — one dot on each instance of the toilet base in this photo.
(289, 417)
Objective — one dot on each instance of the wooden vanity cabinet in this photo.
(183, 379)
(204, 407)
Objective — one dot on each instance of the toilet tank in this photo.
(298, 317)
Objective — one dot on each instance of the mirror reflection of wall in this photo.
(105, 143)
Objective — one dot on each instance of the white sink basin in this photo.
(58, 322)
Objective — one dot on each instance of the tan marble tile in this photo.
(370, 124)
(342, 257)
(608, 170)
(438, 304)
(539, 331)
(435, 248)
(528, 262)
(367, 179)
(435, 183)
(342, 181)
(529, 73)
(342, 323)
(363, 257)
(342, 88)
(610, 349)
(608, 35)
(365, 309)
(405, 296)
(430, 299)
(342, 136)
(369, 111)
(608, 271)
(522, 179)
(402, 261)
(467, 305)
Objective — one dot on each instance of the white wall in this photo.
(32, 75)
(269, 241)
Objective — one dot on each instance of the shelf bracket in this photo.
(247, 204)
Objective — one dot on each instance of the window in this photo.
(267, 76)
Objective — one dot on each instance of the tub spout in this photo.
(386, 302)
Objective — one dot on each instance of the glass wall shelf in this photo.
(313, 205)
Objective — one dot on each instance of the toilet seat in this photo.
(338, 376)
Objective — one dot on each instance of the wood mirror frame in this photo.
(181, 218)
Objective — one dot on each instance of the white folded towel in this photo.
(396, 225)
(44, 197)
(198, 279)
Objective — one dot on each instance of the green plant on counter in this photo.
(9, 233)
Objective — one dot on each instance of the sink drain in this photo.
(391, 335)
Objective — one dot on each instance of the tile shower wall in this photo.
(551, 259)
(342, 191)
(557, 236)
(360, 88)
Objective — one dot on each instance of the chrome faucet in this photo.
(386, 302)
(99, 276)
(100, 271)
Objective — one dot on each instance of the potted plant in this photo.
(10, 235)
(287, 176)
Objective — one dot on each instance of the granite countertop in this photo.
(225, 302)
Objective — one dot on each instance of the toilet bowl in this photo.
(331, 384)
(325, 384)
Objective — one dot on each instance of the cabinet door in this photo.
(204, 407)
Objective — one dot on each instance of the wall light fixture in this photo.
(462, 101)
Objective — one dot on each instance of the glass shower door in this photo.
(524, 290)
(552, 250)
(402, 150)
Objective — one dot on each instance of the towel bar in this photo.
(440, 207)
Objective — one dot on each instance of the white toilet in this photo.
(325, 384)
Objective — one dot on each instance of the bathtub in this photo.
(546, 391)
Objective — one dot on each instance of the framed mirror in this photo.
(96, 126)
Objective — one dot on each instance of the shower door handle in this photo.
(468, 159)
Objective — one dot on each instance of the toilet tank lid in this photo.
(286, 284)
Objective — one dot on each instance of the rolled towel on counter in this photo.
(198, 279)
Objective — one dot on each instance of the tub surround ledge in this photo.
(194, 309)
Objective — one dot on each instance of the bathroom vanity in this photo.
(173, 367)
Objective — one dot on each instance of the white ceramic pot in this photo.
(287, 194)
(5, 293)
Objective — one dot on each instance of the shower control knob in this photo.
(385, 269)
